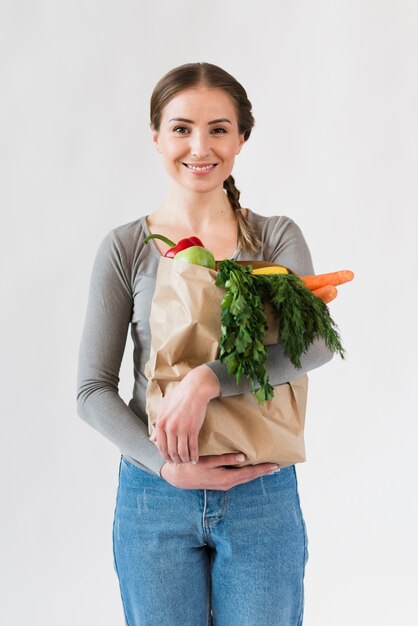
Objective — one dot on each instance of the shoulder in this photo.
(265, 222)
(274, 230)
(282, 241)
(122, 250)
(124, 240)
(127, 235)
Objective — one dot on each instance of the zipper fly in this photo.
(214, 507)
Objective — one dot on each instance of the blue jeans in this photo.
(196, 557)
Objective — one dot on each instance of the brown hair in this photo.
(194, 74)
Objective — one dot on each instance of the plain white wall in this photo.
(334, 89)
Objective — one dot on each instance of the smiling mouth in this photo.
(200, 168)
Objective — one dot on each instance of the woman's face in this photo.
(199, 138)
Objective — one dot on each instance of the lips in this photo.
(200, 167)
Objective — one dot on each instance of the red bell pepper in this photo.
(183, 244)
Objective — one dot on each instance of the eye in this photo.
(180, 130)
(222, 131)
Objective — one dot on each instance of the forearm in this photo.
(279, 368)
(104, 410)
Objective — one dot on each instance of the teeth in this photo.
(199, 169)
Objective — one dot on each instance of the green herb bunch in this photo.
(302, 317)
(243, 328)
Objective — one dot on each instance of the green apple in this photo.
(197, 256)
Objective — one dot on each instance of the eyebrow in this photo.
(183, 119)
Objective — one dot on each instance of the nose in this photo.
(200, 144)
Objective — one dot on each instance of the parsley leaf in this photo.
(302, 316)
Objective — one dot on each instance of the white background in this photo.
(334, 89)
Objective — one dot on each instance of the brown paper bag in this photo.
(185, 326)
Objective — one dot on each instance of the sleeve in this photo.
(102, 346)
(284, 244)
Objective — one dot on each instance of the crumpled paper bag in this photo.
(185, 324)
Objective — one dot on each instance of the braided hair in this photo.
(192, 75)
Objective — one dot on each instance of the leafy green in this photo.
(243, 327)
(302, 317)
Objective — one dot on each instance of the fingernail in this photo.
(239, 457)
(194, 462)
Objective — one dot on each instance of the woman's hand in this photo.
(210, 472)
(182, 413)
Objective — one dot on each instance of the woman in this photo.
(195, 539)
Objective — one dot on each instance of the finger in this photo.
(161, 442)
(194, 448)
(172, 447)
(216, 460)
(245, 474)
(228, 477)
(183, 448)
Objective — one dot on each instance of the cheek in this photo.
(169, 153)
(174, 150)
(228, 157)
(230, 150)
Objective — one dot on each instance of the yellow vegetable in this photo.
(276, 269)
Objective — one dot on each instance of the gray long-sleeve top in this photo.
(121, 289)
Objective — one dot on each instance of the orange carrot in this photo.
(326, 294)
(323, 280)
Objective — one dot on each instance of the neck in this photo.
(194, 210)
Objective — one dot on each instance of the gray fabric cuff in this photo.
(155, 464)
(228, 384)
